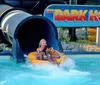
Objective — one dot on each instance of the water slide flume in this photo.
(24, 31)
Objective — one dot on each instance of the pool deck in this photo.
(72, 53)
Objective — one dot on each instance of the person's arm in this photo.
(39, 54)
(47, 52)
(38, 50)
(55, 62)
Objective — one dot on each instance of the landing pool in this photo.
(86, 72)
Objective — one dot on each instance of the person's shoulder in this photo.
(38, 48)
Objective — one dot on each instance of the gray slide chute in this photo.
(24, 32)
(4, 8)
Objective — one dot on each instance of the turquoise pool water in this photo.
(86, 72)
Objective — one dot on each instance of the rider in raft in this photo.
(41, 49)
(45, 52)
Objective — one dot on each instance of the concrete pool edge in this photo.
(78, 53)
(67, 55)
(83, 54)
(74, 54)
(5, 56)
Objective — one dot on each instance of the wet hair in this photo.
(53, 52)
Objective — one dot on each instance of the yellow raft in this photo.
(33, 60)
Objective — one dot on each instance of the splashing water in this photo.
(26, 74)
(69, 63)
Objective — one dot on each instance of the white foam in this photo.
(2, 82)
(51, 71)
(69, 63)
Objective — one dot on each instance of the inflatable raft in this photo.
(33, 60)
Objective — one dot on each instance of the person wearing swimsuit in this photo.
(41, 49)
(54, 56)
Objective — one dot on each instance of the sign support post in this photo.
(98, 37)
(72, 31)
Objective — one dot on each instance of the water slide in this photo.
(24, 31)
(92, 34)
